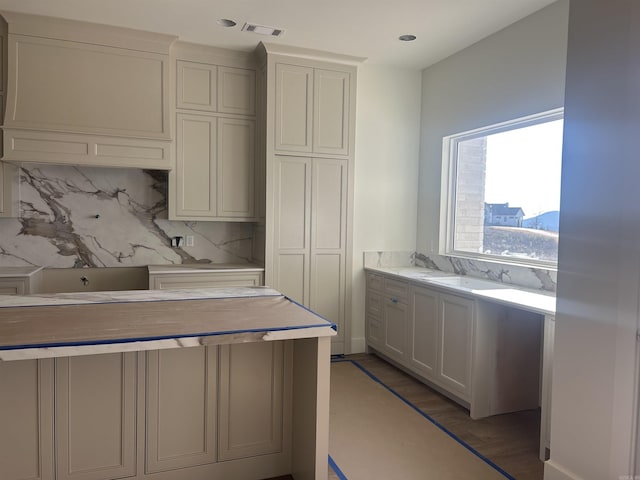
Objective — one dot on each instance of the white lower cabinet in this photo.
(181, 408)
(26, 419)
(95, 416)
(455, 337)
(251, 399)
(485, 356)
(163, 281)
(440, 338)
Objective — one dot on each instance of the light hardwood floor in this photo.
(510, 441)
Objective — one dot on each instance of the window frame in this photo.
(449, 185)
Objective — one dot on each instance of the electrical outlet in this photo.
(189, 240)
(176, 242)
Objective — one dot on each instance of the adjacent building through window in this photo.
(501, 191)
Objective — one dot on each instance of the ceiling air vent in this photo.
(262, 30)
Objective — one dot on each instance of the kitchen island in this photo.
(167, 385)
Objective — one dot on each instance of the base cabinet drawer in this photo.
(205, 280)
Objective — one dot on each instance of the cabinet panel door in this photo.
(424, 332)
(196, 86)
(327, 287)
(236, 159)
(251, 399)
(294, 108)
(26, 416)
(395, 328)
(292, 202)
(236, 91)
(95, 416)
(329, 205)
(456, 337)
(331, 112)
(181, 408)
(195, 166)
(328, 237)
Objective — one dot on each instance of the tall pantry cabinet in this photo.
(307, 106)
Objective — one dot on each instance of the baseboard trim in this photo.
(358, 345)
(553, 471)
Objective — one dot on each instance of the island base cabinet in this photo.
(95, 417)
(26, 419)
(251, 399)
(198, 413)
(181, 408)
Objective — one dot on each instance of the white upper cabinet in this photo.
(214, 178)
(215, 88)
(86, 94)
(197, 86)
(331, 91)
(294, 104)
(312, 109)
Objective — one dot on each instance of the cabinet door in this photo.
(196, 86)
(331, 112)
(294, 108)
(181, 408)
(9, 188)
(251, 399)
(456, 347)
(423, 348)
(26, 416)
(95, 417)
(395, 328)
(195, 175)
(291, 220)
(328, 238)
(236, 91)
(236, 159)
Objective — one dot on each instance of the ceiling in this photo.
(363, 28)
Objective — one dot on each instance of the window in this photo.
(501, 191)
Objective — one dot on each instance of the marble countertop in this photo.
(12, 272)
(46, 326)
(124, 296)
(537, 301)
(204, 268)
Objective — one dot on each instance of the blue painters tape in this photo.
(336, 469)
(428, 417)
(333, 325)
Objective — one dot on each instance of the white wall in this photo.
(594, 369)
(386, 170)
(515, 72)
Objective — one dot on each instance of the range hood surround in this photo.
(82, 93)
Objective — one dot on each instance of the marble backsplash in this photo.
(74, 217)
(536, 278)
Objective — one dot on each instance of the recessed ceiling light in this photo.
(225, 22)
(407, 38)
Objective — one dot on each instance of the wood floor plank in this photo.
(510, 440)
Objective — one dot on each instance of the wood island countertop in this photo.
(44, 326)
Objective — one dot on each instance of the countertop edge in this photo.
(479, 294)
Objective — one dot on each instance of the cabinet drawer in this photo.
(374, 303)
(375, 331)
(375, 282)
(396, 290)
